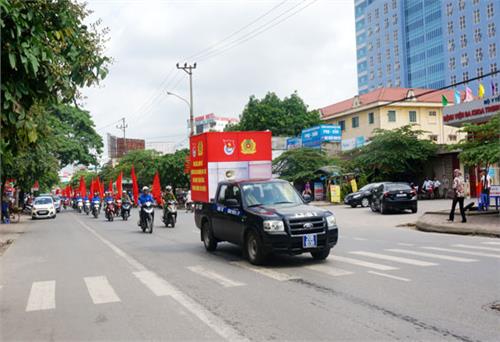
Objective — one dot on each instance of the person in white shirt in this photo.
(485, 188)
(459, 189)
(435, 187)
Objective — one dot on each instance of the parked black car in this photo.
(393, 196)
(362, 197)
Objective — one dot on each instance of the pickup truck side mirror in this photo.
(232, 203)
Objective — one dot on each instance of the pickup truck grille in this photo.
(306, 225)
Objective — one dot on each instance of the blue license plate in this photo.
(310, 241)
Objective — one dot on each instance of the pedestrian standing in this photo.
(459, 189)
(435, 187)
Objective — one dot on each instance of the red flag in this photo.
(92, 185)
(135, 186)
(101, 190)
(119, 187)
(83, 188)
(110, 186)
(36, 186)
(156, 188)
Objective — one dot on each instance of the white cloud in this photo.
(312, 52)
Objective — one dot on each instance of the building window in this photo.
(450, 27)
(451, 45)
(492, 50)
(479, 54)
(391, 116)
(342, 125)
(395, 34)
(379, 72)
(369, 18)
(370, 32)
(452, 137)
(388, 54)
(386, 23)
(394, 19)
(490, 11)
(491, 30)
(387, 38)
(475, 2)
(370, 46)
(462, 22)
(453, 79)
(386, 8)
(397, 66)
(493, 67)
(432, 117)
(412, 116)
(372, 75)
(377, 42)
(465, 76)
(479, 71)
(371, 118)
(379, 58)
(451, 63)
(371, 61)
(477, 17)
(397, 83)
(464, 59)
(355, 122)
(433, 137)
(477, 35)
(461, 5)
(388, 67)
(376, 13)
(463, 41)
(394, 4)
(449, 9)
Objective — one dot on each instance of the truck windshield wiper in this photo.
(255, 205)
(282, 202)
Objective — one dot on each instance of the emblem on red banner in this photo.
(229, 146)
(248, 146)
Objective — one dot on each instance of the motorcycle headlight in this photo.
(331, 221)
(274, 226)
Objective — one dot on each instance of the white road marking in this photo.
(265, 271)
(394, 258)
(331, 271)
(493, 249)
(389, 276)
(462, 252)
(42, 296)
(214, 276)
(218, 325)
(100, 290)
(157, 285)
(405, 244)
(364, 263)
(432, 255)
(359, 239)
(491, 243)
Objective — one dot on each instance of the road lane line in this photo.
(462, 252)
(42, 296)
(405, 244)
(491, 243)
(363, 263)
(331, 271)
(220, 279)
(217, 324)
(359, 239)
(389, 276)
(395, 258)
(265, 271)
(432, 255)
(100, 290)
(157, 285)
(492, 249)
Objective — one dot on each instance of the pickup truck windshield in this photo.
(270, 193)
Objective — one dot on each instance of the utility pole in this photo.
(123, 126)
(189, 70)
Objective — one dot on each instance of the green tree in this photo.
(145, 163)
(394, 155)
(299, 165)
(481, 145)
(47, 54)
(283, 117)
(87, 176)
(171, 169)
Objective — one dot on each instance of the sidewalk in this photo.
(10, 232)
(478, 223)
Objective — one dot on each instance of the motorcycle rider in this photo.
(169, 194)
(144, 197)
(188, 201)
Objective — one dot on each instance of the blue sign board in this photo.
(314, 136)
(293, 143)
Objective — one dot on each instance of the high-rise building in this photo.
(212, 123)
(426, 43)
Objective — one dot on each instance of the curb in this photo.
(426, 227)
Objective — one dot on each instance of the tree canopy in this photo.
(283, 117)
(394, 155)
(481, 145)
(47, 54)
(299, 165)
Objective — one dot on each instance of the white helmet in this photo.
(145, 188)
(168, 188)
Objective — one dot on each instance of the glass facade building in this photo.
(426, 43)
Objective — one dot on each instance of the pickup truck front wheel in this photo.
(208, 237)
(321, 255)
(254, 249)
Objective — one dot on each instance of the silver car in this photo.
(43, 207)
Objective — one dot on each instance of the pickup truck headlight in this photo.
(331, 221)
(271, 226)
(357, 196)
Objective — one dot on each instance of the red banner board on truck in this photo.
(218, 156)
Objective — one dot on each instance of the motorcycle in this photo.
(79, 205)
(110, 210)
(147, 217)
(189, 207)
(96, 208)
(170, 214)
(118, 207)
(125, 211)
(86, 207)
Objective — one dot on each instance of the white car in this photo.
(43, 207)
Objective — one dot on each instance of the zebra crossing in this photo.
(384, 264)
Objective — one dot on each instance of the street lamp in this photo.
(189, 106)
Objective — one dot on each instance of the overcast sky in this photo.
(312, 51)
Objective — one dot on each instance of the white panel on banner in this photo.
(260, 169)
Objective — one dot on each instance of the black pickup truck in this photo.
(264, 217)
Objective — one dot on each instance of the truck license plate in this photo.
(310, 241)
(401, 195)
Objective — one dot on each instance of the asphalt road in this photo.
(80, 278)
